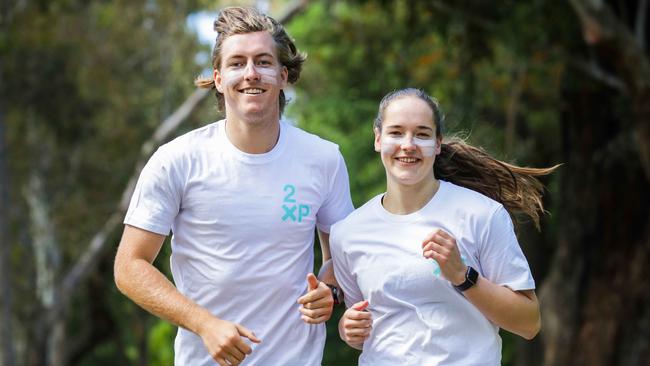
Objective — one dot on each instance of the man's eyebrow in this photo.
(261, 54)
(264, 54)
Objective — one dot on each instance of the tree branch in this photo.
(602, 29)
(97, 247)
(592, 69)
(79, 272)
(617, 45)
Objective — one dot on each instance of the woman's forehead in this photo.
(408, 112)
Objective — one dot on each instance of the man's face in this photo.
(250, 77)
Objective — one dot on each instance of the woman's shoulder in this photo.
(359, 215)
(468, 199)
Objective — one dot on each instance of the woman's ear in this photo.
(438, 145)
(377, 140)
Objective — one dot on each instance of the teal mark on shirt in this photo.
(436, 268)
(293, 212)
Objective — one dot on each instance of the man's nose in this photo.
(251, 72)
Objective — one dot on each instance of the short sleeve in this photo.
(342, 269)
(501, 258)
(337, 204)
(157, 196)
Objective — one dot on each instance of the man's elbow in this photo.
(120, 274)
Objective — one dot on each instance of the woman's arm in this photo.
(515, 311)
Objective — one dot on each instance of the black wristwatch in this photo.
(471, 276)
(337, 294)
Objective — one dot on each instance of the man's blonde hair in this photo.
(242, 20)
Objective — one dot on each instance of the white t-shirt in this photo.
(243, 233)
(419, 318)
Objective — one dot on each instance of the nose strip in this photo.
(426, 146)
(267, 75)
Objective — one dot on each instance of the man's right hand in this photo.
(356, 324)
(224, 341)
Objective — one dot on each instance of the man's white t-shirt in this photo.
(243, 233)
(419, 318)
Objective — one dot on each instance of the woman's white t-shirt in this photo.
(419, 318)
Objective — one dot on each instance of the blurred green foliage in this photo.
(86, 82)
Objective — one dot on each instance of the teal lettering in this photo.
(289, 213)
(302, 212)
(291, 190)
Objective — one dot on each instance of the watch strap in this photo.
(337, 294)
(471, 277)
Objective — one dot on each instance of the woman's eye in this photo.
(264, 63)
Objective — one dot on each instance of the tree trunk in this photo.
(594, 301)
(596, 307)
(6, 340)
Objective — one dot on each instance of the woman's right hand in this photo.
(355, 325)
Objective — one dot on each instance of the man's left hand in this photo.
(318, 303)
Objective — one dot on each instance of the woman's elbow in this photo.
(533, 322)
(532, 329)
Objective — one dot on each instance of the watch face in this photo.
(472, 275)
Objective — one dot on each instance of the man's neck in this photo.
(253, 138)
(403, 200)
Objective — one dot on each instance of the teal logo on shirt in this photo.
(436, 267)
(293, 211)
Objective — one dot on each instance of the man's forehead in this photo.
(249, 44)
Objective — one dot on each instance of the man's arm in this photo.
(139, 280)
(326, 272)
(318, 303)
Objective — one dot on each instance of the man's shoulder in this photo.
(193, 140)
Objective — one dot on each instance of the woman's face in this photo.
(407, 141)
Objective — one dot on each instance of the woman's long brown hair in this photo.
(516, 188)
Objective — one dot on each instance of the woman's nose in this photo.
(407, 143)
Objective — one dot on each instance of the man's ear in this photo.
(216, 76)
(284, 75)
(377, 140)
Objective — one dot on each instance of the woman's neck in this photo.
(403, 200)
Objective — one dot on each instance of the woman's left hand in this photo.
(441, 247)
